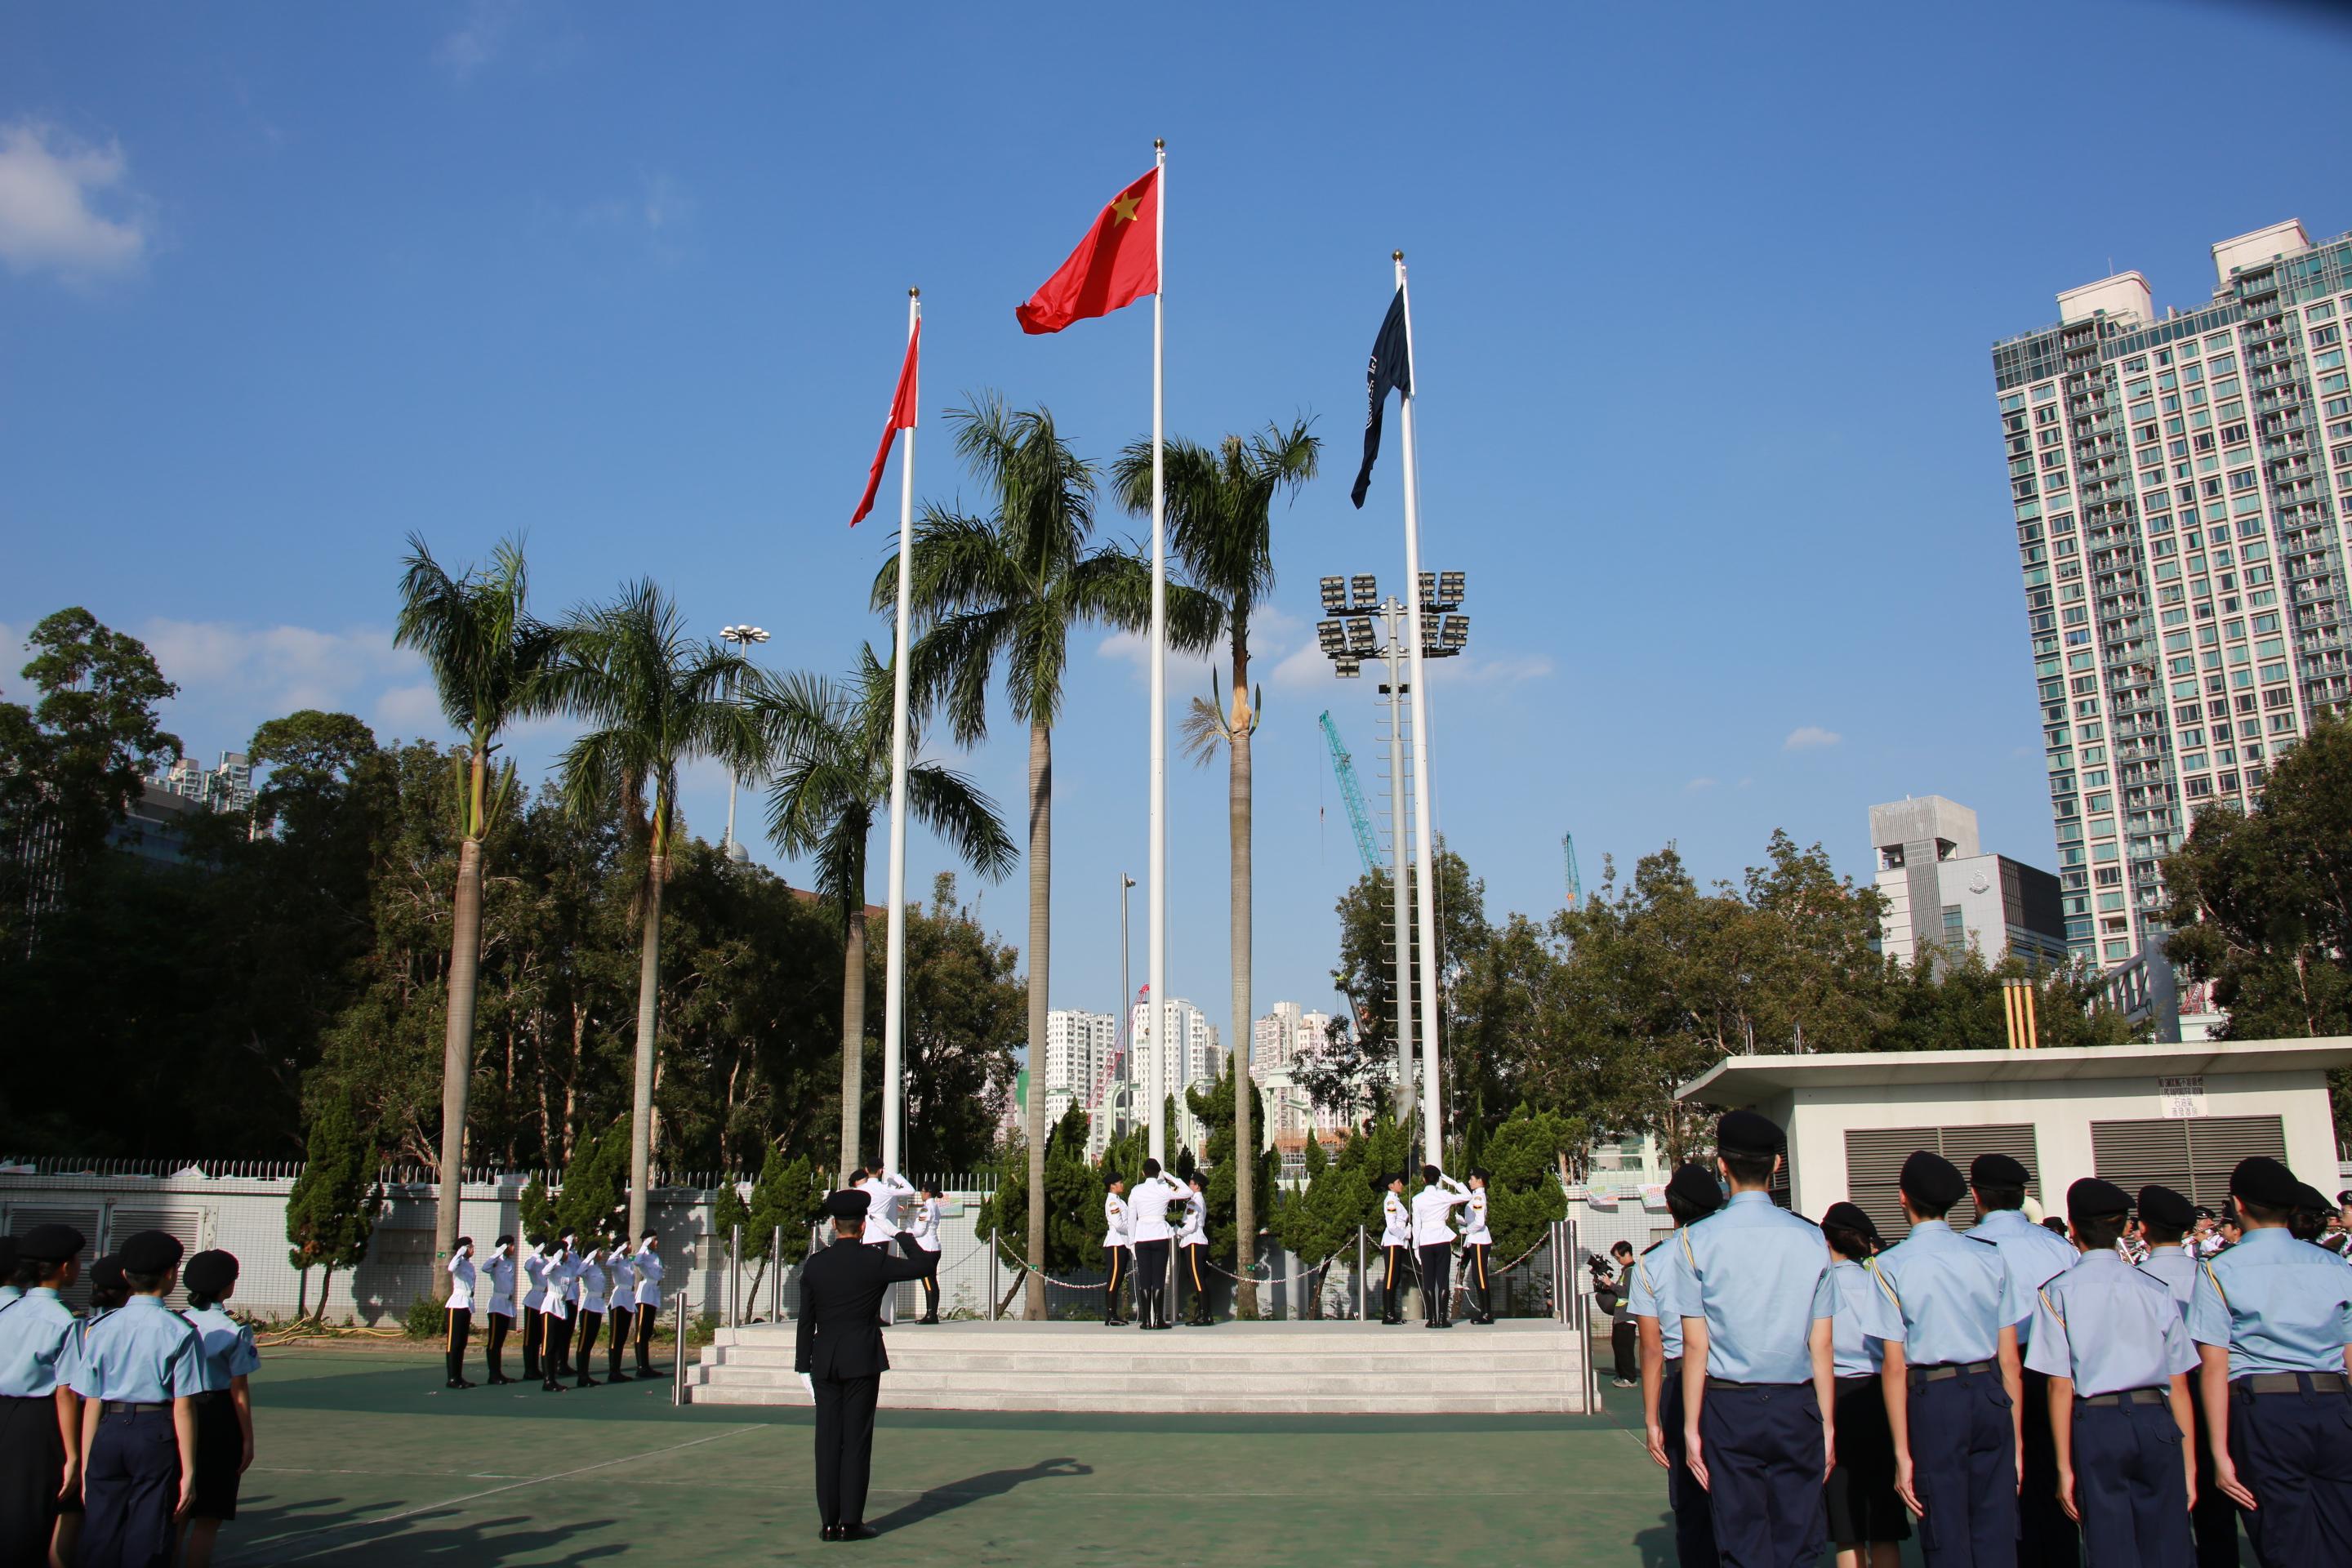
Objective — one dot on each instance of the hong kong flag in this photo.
(902, 418)
(1116, 264)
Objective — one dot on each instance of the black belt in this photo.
(1850, 1378)
(2292, 1383)
(2127, 1396)
(1942, 1370)
(1734, 1382)
(118, 1407)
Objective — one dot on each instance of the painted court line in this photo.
(469, 1497)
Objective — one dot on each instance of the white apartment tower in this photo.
(1193, 1054)
(2179, 486)
(1079, 1046)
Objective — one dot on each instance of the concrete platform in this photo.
(1525, 1367)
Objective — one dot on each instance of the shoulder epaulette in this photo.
(2215, 1279)
(1656, 1245)
(1871, 1264)
(2042, 1291)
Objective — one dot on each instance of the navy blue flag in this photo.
(1391, 366)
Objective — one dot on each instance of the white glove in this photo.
(809, 1384)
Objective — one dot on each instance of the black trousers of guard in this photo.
(32, 1467)
(1394, 1269)
(2129, 1487)
(844, 1446)
(555, 1349)
(1964, 1467)
(646, 1314)
(930, 1261)
(459, 1330)
(533, 1326)
(1693, 1524)
(2046, 1537)
(130, 1491)
(1151, 1264)
(1436, 1282)
(2293, 1452)
(1765, 1469)
(584, 1352)
(618, 1342)
(1478, 1260)
(497, 1326)
(1196, 1277)
(1114, 1279)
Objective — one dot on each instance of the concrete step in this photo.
(1154, 1383)
(1203, 1405)
(1514, 1363)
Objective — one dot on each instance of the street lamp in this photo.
(742, 640)
(1347, 639)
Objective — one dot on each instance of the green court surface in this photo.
(362, 1457)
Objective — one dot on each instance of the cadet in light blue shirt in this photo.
(1691, 1194)
(9, 1290)
(1752, 1284)
(225, 1410)
(2035, 1254)
(140, 1371)
(1952, 1385)
(2273, 1321)
(2112, 1345)
(2164, 1220)
(40, 1416)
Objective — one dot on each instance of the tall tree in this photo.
(830, 755)
(485, 651)
(1220, 511)
(1008, 588)
(654, 699)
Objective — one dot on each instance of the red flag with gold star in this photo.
(1116, 264)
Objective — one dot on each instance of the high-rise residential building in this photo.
(1079, 1046)
(1193, 1056)
(2179, 484)
(1946, 895)
(227, 787)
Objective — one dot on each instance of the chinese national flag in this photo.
(1116, 264)
(902, 418)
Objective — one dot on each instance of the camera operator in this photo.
(1612, 1283)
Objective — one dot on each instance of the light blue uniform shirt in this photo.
(40, 1345)
(1866, 1319)
(2280, 1304)
(227, 1346)
(145, 1354)
(1651, 1272)
(2035, 1254)
(1761, 1278)
(1956, 1292)
(10, 1293)
(2108, 1326)
(2173, 1269)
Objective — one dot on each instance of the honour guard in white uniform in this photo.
(1192, 1247)
(459, 1324)
(648, 1265)
(1396, 1248)
(1115, 1239)
(1155, 1240)
(1479, 1252)
(1432, 1225)
(497, 1278)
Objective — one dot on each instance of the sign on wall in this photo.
(2182, 1098)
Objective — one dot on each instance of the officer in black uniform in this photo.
(840, 1359)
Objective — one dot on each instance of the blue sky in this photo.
(1702, 304)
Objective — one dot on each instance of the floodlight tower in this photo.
(742, 640)
(1348, 637)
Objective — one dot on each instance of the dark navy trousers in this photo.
(1764, 1473)
(2293, 1452)
(1964, 1468)
(2129, 1487)
(2046, 1537)
(1694, 1525)
(130, 1492)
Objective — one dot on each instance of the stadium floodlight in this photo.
(1457, 635)
(1450, 588)
(1360, 640)
(1335, 596)
(1428, 591)
(1347, 666)
(1331, 637)
(1365, 589)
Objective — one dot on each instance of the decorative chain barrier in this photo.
(1048, 1279)
(1460, 1285)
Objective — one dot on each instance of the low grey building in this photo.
(1946, 895)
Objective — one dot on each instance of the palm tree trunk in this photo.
(1237, 755)
(457, 1055)
(641, 1110)
(853, 1030)
(1041, 935)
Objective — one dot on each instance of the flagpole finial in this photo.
(1159, 144)
(914, 293)
(1396, 254)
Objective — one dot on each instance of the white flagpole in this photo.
(1433, 1133)
(893, 1009)
(1158, 1142)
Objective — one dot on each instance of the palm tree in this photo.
(485, 651)
(652, 699)
(1009, 587)
(830, 750)
(1219, 509)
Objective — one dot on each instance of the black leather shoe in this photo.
(618, 1377)
(586, 1381)
(550, 1387)
(858, 1532)
(828, 1533)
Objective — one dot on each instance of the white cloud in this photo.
(1187, 674)
(236, 676)
(1699, 785)
(1811, 738)
(49, 219)
(479, 41)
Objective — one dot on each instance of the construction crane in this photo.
(1575, 881)
(1353, 794)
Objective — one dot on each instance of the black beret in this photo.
(1695, 1185)
(2092, 1198)
(1745, 1132)
(2162, 1205)
(2311, 1199)
(50, 1244)
(848, 1204)
(151, 1252)
(209, 1273)
(106, 1274)
(1997, 1170)
(1850, 1216)
(2263, 1180)
(1932, 1179)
